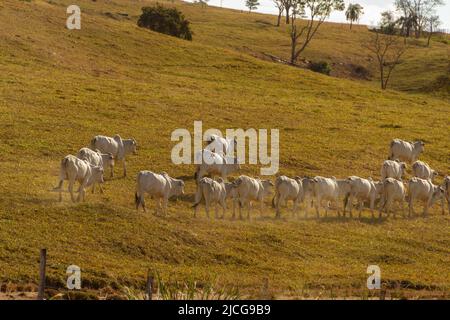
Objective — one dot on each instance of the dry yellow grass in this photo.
(59, 88)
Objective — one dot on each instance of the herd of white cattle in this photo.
(88, 168)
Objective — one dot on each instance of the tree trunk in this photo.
(430, 33)
(287, 15)
(351, 24)
(279, 19)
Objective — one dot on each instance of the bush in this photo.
(321, 67)
(165, 20)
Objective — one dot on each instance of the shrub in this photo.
(321, 67)
(165, 20)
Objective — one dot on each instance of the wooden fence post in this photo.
(149, 287)
(43, 261)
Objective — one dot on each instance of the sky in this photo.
(372, 9)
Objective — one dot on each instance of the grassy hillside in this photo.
(59, 88)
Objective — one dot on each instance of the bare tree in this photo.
(280, 6)
(419, 11)
(387, 51)
(433, 23)
(288, 4)
(316, 11)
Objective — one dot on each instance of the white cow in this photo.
(393, 169)
(426, 191)
(324, 189)
(406, 151)
(422, 170)
(250, 189)
(446, 187)
(363, 190)
(117, 146)
(74, 169)
(392, 191)
(223, 146)
(213, 192)
(159, 186)
(215, 164)
(96, 159)
(287, 189)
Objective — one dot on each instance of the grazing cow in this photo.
(250, 189)
(393, 169)
(324, 189)
(422, 170)
(406, 151)
(117, 146)
(287, 189)
(221, 145)
(426, 191)
(96, 159)
(213, 192)
(159, 186)
(74, 169)
(362, 190)
(446, 187)
(215, 164)
(392, 191)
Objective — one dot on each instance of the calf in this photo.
(287, 189)
(117, 146)
(426, 191)
(221, 145)
(159, 186)
(392, 191)
(422, 170)
(214, 192)
(393, 169)
(362, 190)
(250, 189)
(405, 151)
(324, 189)
(96, 159)
(74, 169)
(215, 164)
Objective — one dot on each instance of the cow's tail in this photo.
(62, 173)
(137, 194)
(198, 196)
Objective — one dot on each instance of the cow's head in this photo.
(177, 187)
(419, 146)
(97, 174)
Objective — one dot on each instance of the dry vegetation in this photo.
(58, 88)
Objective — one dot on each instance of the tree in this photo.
(354, 13)
(387, 23)
(280, 6)
(418, 10)
(251, 5)
(387, 51)
(433, 23)
(316, 12)
(287, 7)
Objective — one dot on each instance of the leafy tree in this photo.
(165, 20)
(316, 12)
(387, 23)
(354, 13)
(251, 5)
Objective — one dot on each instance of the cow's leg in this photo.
(317, 204)
(216, 209)
(261, 206)
(427, 205)
(71, 182)
(381, 206)
(112, 171)
(223, 204)
(372, 206)
(60, 185)
(165, 205)
(410, 207)
(234, 209)
(277, 205)
(248, 209)
(295, 208)
(124, 168)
